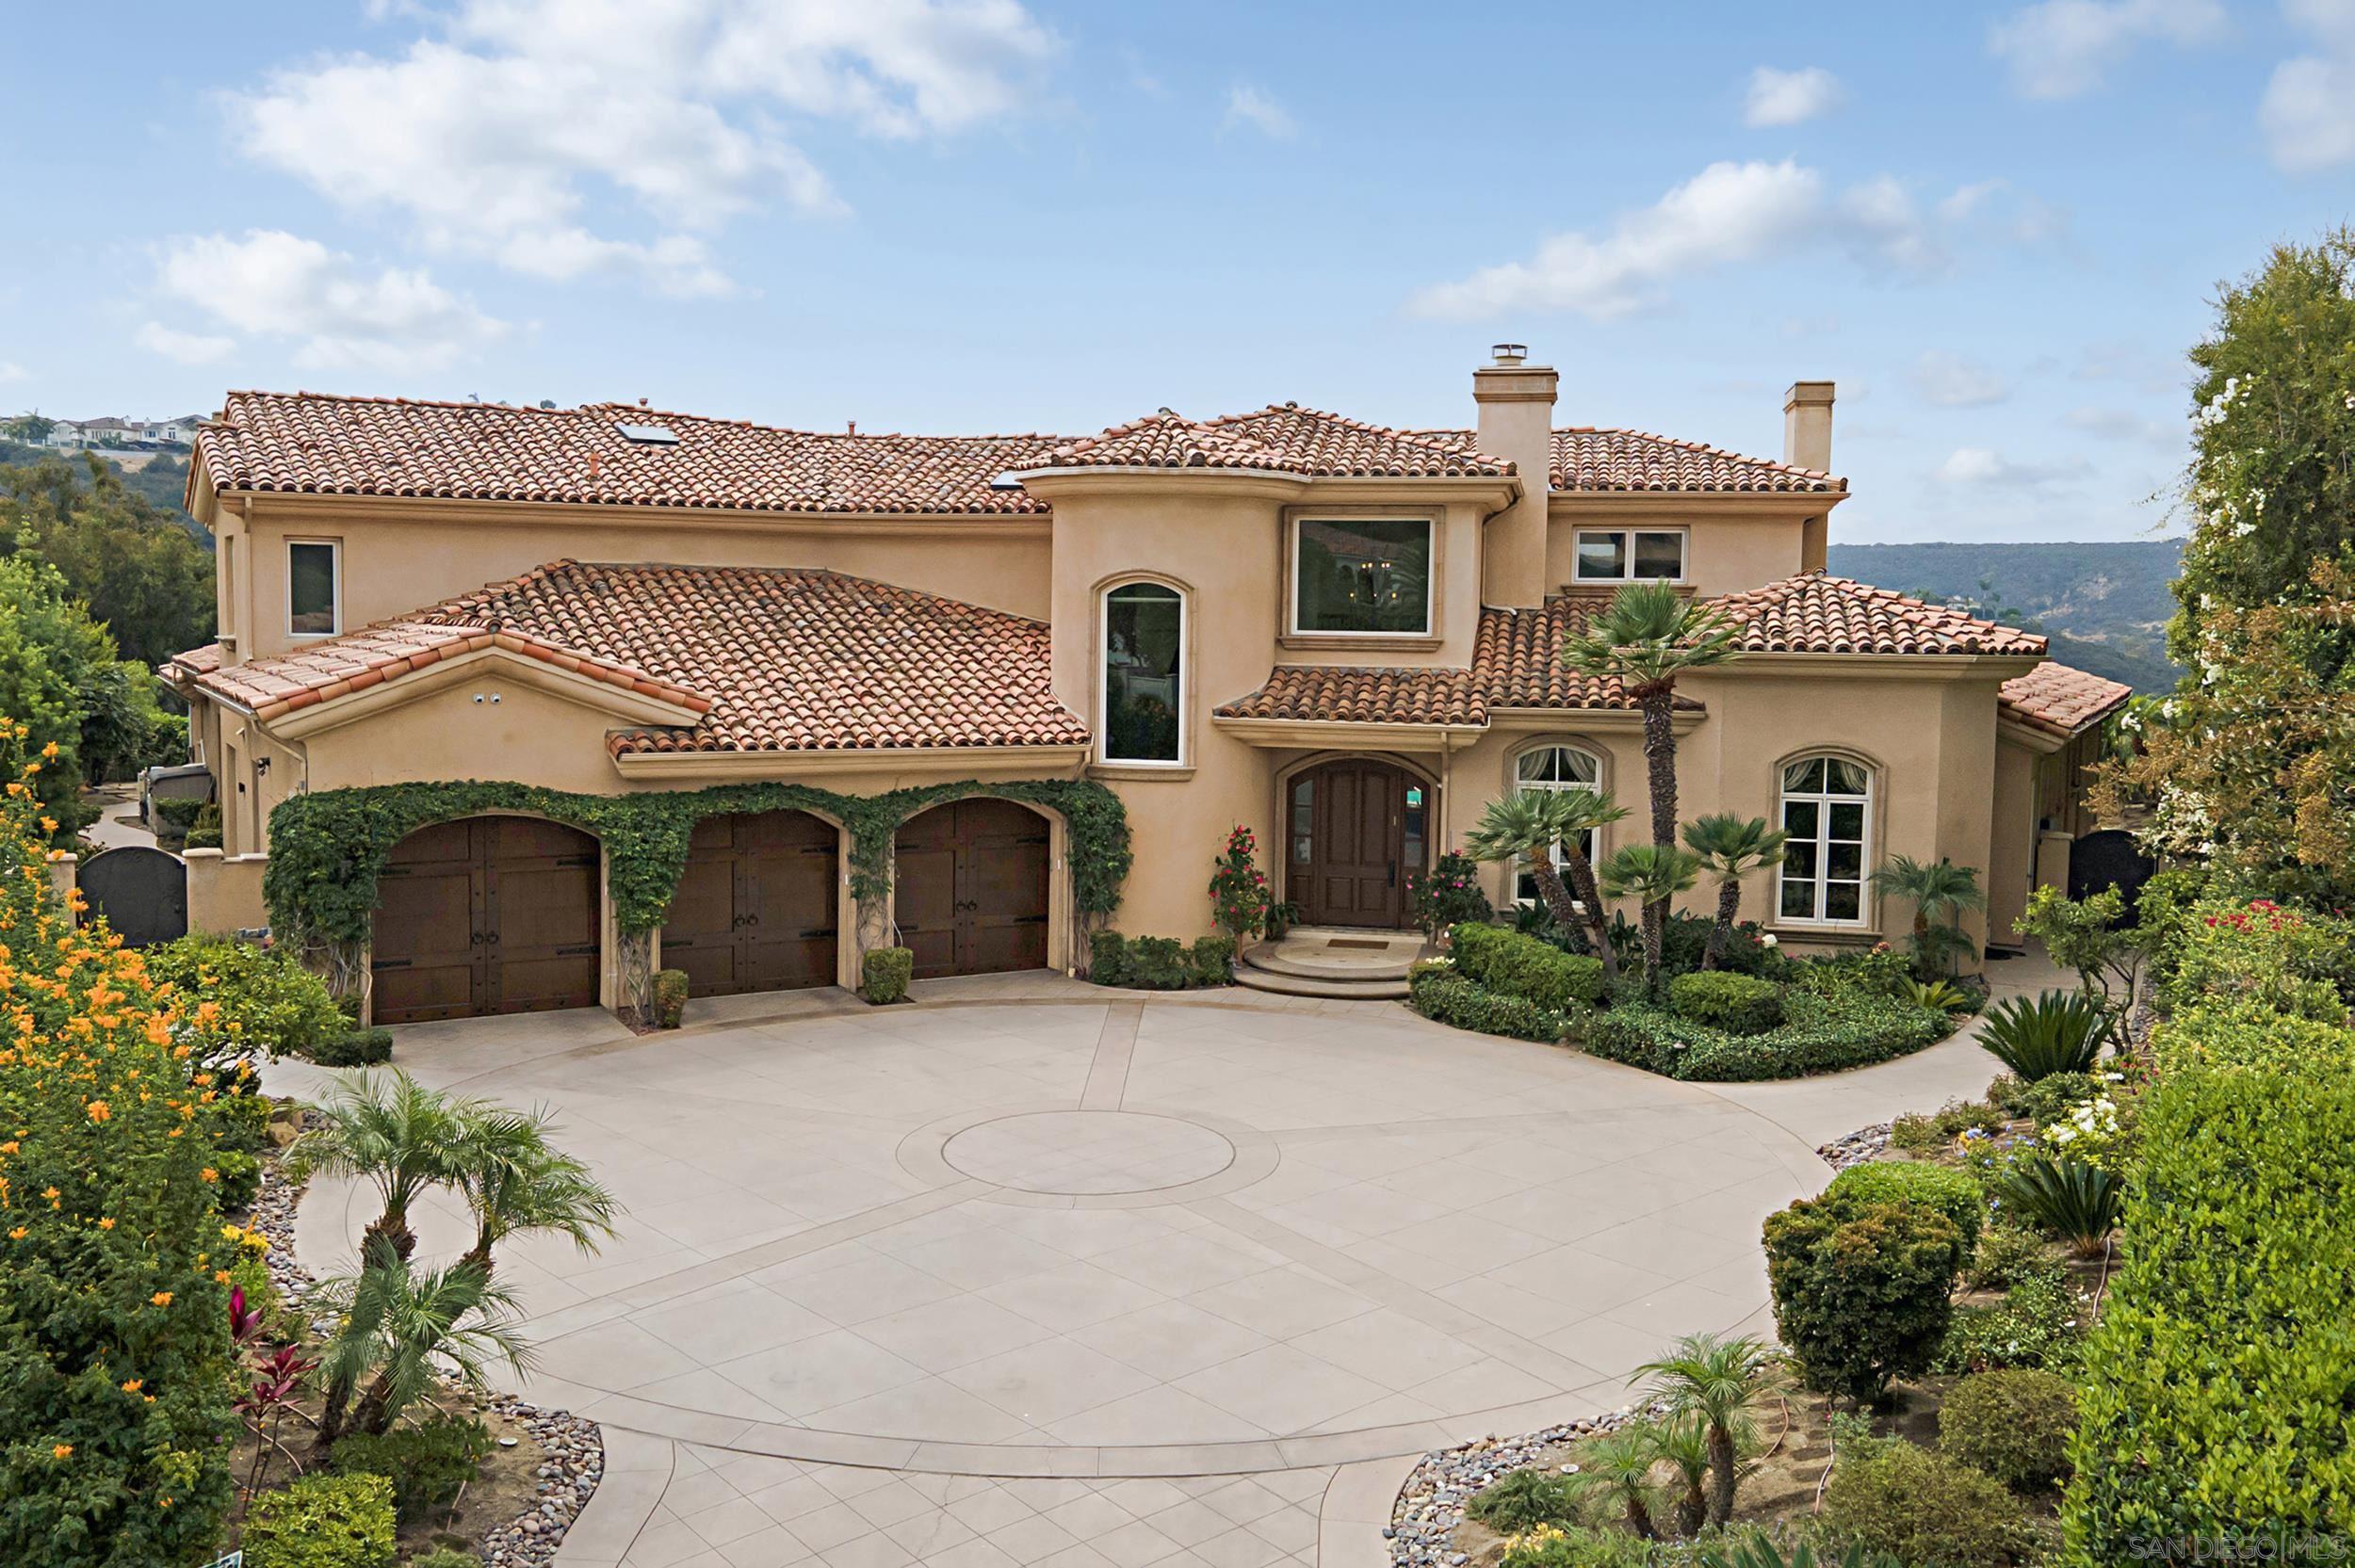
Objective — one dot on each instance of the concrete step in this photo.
(1306, 963)
(1295, 985)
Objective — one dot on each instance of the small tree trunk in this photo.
(374, 1413)
(331, 1417)
(1728, 905)
(1597, 926)
(393, 1225)
(480, 1254)
(1723, 1472)
(1659, 762)
(1692, 1509)
(1655, 934)
(1639, 1518)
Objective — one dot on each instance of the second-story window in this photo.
(1367, 575)
(1145, 634)
(1630, 554)
(313, 588)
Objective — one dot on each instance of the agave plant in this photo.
(2060, 1032)
(1755, 1548)
(2077, 1202)
(1937, 995)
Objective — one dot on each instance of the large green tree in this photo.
(60, 677)
(128, 558)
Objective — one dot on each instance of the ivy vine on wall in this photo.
(327, 849)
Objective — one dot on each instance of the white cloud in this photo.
(2124, 425)
(2309, 107)
(187, 347)
(493, 135)
(1947, 380)
(1978, 467)
(341, 315)
(2061, 48)
(1248, 105)
(1789, 97)
(1967, 200)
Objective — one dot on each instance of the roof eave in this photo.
(994, 761)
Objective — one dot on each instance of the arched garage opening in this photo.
(486, 915)
(971, 894)
(758, 908)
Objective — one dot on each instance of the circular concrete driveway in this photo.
(1078, 1237)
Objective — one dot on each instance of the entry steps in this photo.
(1332, 961)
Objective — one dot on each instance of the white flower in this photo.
(1770, 940)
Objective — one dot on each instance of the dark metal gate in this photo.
(2110, 858)
(142, 893)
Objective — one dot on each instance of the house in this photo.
(1346, 636)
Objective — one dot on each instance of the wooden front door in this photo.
(755, 909)
(971, 896)
(1355, 830)
(487, 914)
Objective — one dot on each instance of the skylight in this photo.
(650, 435)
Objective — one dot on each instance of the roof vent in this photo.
(1510, 354)
(649, 435)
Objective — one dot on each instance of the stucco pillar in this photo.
(2052, 859)
(1515, 408)
(1807, 443)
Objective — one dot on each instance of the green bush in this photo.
(1862, 1294)
(1555, 1546)
(204, 833)
(886, 972)
(1738, 1004)
(1160, 962)
(1927, 1511)
(265, 1000)
(445, 1557)
(2039, 1323)
(1953, 1193)
(2046, 1100)
(426, 1464)
(2015, 1425)
(176, 812)
(1448, 894)
(1157, 963)
(1523, 1500)
(1211, 962)
(239, 1177)
(1511, 965)
(322, 1521)
(1684, 941)
(1752, 1547)
(2262, 954)
(1876, 971)
(1108, 958)
(1920, 1133)
(670, 997)
(2230, 1032)
(354, 1048)
(1819, 1034)
(1443, 994)
(2060, 1032)
(2008, 1254)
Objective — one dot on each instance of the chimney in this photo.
(1807, 425)
(1515, 402)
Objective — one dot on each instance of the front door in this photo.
(1356, 831)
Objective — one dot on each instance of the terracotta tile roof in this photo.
(1593, 458)
(775, 660)
(2061, 701)
(1816, 613)
(1517, 658)
(196, 661)
(1281, 438)
(307, 441)
(1365, 695)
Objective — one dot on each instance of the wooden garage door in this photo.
(972, 888)
(756, 906)
(484, 915)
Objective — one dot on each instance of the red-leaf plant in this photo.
(277, 1374)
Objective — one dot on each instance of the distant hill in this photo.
(163, 480)
(2105, 605)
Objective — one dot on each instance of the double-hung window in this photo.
(1630, 554)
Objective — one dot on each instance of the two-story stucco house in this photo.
(1342, 634)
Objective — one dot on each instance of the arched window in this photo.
(1555, 768)
(1826, 809)
(1145, 634)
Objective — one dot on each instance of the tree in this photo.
(396, 1135)
(1712, 1381)
(517, 1185)
(400, 1326)
(1940, 892)
(1646, 637)
(1654, 875)
(1527, 828)
(1615, 1469)
(141, 574)
(1730, 847)
(29, 428)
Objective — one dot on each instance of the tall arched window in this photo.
(1145, 634)
(1826, 809)
(1555, 768)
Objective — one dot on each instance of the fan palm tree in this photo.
(395, 1134)
(1652, 875)
(516, 1184)
(1731, 848)
(1615, 1468)
(1648, 637)
(404, 1326)
(1526, 828)
(1940, 892)
(1712, 1382)
(1682, 1443)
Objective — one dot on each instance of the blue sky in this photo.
(1995, 227)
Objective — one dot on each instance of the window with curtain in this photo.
(1145, 627)
(1555, 768)
(1826, 805)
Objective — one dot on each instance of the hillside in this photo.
(162, 480)
(2105, 605)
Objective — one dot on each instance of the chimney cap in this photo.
(1510, 354)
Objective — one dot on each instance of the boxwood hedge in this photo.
(1818, 1034)
(1517, 965)
(1446, 995)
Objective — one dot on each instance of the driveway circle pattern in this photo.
(1088, 1153)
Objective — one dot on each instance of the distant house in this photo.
(107, 431)
(171, 432)
(65, 432)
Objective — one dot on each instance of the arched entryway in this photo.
(971, 891)
(1355, 830)
(486, 915)
(757, 907)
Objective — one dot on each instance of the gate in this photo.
(142, 891)
(2110, 857)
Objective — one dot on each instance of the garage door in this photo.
(484, 915)
(755, 908)
(972, 888)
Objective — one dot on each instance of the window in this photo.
(1555, 768)
(1372, 575)
(1825, 805)
(1630, 554)
(1143, 647)
(314, 607)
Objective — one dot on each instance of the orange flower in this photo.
(63, 1450)
(208, 1174)
(107, 1223)
(132, 1386)
(161, 1298)
(100, 1110)
(50, 751)
(18, 1233)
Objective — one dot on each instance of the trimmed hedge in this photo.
(2013, 1423)
(885, 974)
(1512, 964)
(1922, 1508)
(355, 1048)
(2232, 1033)
(1160, 962)
(1954, 1193)
(1819, 1034)
(1445, 995)
(1738, 1004)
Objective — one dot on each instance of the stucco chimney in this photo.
(1515, 400)
(1807, 425)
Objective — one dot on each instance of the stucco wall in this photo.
(1726, 554)
(2011, 856)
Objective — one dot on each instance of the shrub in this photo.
(1444, 995)
(886, 972)
(1861, 1294)
(1448, 894)
(2075, 1202)
(2007, 1254)
(1517, 965)
(2288, 959)
(204, 833)
(1953, 1193)
(2046, 1100)
(1523, 1500)
(2060, 1032)
(1753, 1547)
(1879, 971)
(1918, 1133)
(427, 1463)
(670, 997)
(263, 999)
(2237, 1033)
(355, 1048)
(1160, 962)
(1554, 1546)
(1239, 891)
(1108, 958)
(239, 1177)
(1684, 941)
(1211, 961)
(1925, 1510)
(1157, 963)
(2041, 1323)
(322, 1521)
(445, 1557)
(1738, 1004)
(1945, 996)
(1819, 1034)
(178, 813)
(2014, 1424)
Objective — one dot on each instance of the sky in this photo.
(1997, 228)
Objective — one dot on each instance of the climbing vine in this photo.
(327, 849)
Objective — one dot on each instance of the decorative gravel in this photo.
(1855, 1148)
(1422, 1523)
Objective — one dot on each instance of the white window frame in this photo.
(1594, 840)
(1103, 682)
(336, 576)
(1429, 578)
(1823, 842)
(1684, 554)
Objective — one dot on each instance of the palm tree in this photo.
(1616, 1468)
(1731, 848)
(1940, 891)
(1527, 826)
(402, 1327)
(1712, 1381)
(1682, 1443)
(1653, 875)
(396, 1135)
(516, 1184)
(1644, 638)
